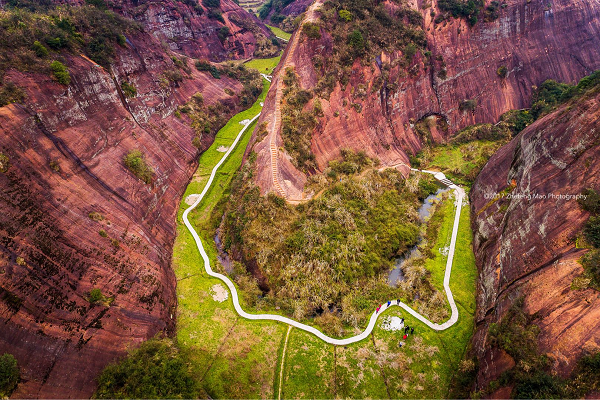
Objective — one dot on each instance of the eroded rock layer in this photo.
(524, 240)
(73, 218)
(534, 40)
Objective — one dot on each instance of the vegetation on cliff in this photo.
(155, 370)
(361, 30)
(136, 162)
(532, 376)
(208, 119)
(33, 32)
(9, 375)
(591, 233)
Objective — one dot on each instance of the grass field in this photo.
(235, 358)
(264, 65)
(279, 33)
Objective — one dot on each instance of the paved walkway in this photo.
(460, 193)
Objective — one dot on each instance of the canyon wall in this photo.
(73, 218)
(535, 40)
(526, 247)
(192, 31)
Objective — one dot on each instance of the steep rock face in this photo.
(189, 30)
(534, 40)
(525, 246)
(73, 218)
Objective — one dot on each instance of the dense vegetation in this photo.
(9, 374)
(362, 30)
(591, 233)
(550, 94)
(135, 161)
(274, 8)
(155, 370)
(330, 255)
(467, 152)
(297, 124)
(31, 32)
(532, 375)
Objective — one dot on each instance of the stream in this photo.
(396, 274)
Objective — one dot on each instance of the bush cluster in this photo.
(298, 124)
(9, 374)
(330, 253)
(136, 163)
(532, 376)
(128, 89)
(60, 72)
(30, 32)
(155, 370)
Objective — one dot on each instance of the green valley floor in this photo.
(236, 358)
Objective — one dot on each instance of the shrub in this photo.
(136, 163)
(223, 33)
(467, 9)
(4, 162)
(103, 233)
(211, 3)
(356, 40)
(215, 14)
(592, 231)
(11, 93)
(467, 105)
(39, 49)
(95, 296)
(95, 216)
(154, 370)
(205, 66)
(60, 72)
(591, 202)
(128, 89)
(311, 30)
(345, 15)
(409, 52)
(9, 374)
(502, 71)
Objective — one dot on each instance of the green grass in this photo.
(264, 65)
(280, 33)
(231, 357)
(462, 162)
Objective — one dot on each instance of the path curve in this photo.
(460, 193)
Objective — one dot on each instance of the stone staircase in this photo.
(276, 125)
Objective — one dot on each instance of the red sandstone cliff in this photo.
(525, 247)
(535, 41)
(190, 31)
(65, 147)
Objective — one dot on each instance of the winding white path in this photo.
(460, 193)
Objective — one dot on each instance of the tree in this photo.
(136, 163)
(96, 296)
(155, 370)
(356, 40)
(60, 72)
(9, 374)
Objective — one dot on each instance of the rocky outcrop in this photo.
(524, 240)
(533, 39)
(74, 218)
(193, 30)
